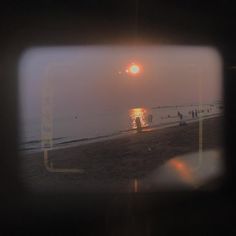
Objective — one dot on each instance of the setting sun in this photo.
(134, 69)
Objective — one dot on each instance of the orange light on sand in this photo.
(134, 69)
(183, 170)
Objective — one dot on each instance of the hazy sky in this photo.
(93, 78)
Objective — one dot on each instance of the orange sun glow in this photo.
(134, 69)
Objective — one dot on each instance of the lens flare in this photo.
(134, 69)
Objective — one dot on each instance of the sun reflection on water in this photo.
(138, 112)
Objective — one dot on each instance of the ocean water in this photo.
(94, 126)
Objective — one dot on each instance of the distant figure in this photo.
(182, 122)
(150, 117)
(192, 114)
(138, 124)
(196, 115)
(180, 115)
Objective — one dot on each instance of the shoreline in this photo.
(116, 135)
(111, 165)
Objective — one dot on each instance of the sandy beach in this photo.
(112, 165)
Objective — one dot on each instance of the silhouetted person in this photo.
(180, 115)
(150, 117)
(138, 124)
(196, 115)
(192, 114)
(182, 122)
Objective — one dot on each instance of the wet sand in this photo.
(112, 165)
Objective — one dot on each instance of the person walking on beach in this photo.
(138, 124)
(178, 114)
(181, 118)
(192, 114)
(150, 118)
